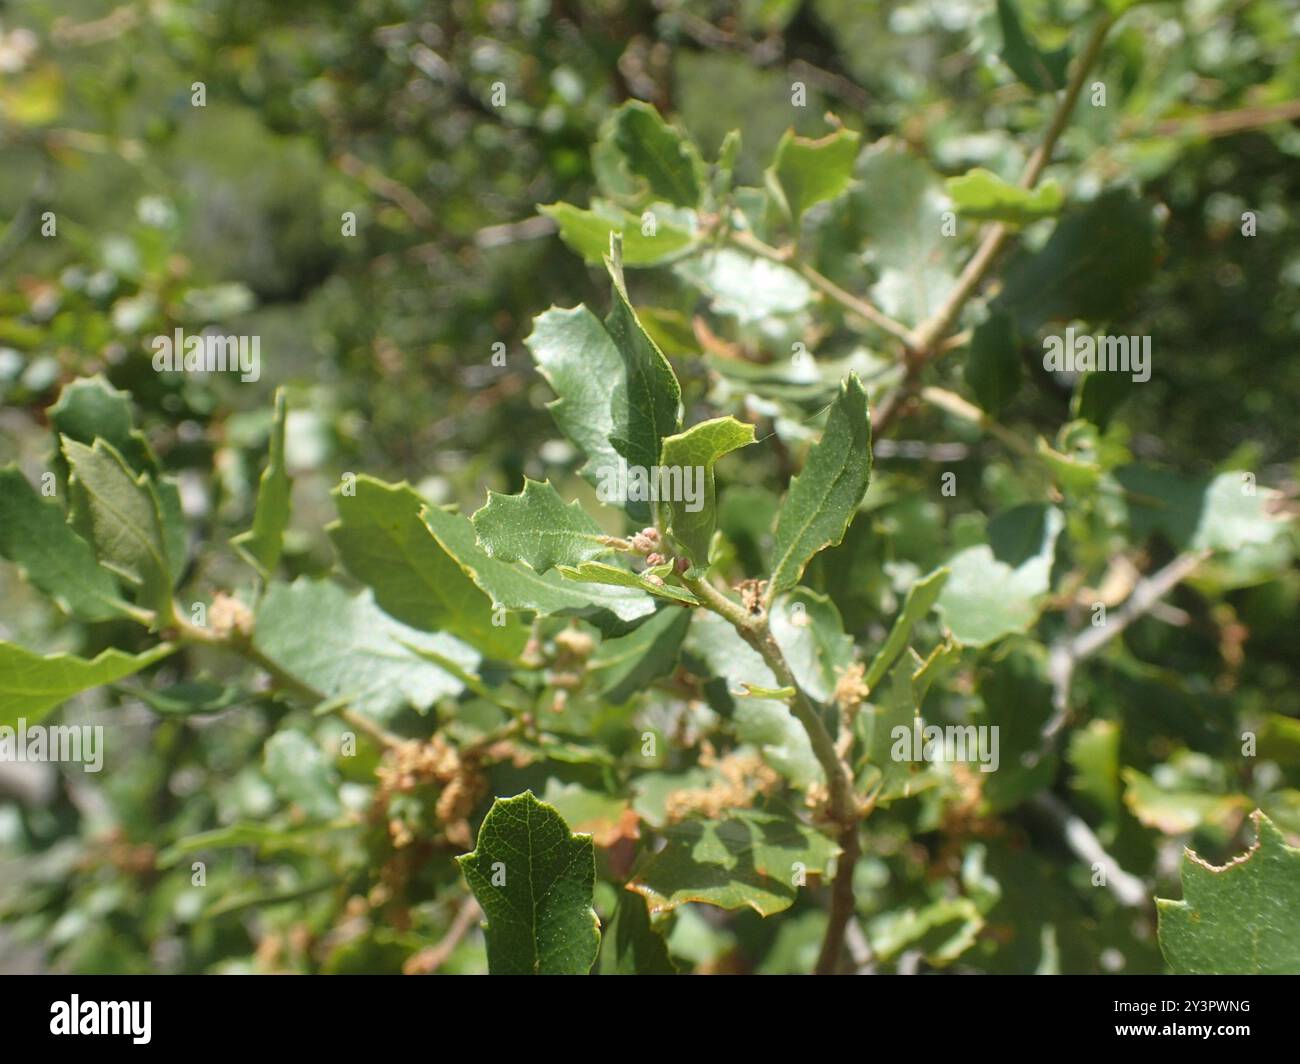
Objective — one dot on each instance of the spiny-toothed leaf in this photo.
(824, 497)
(1242, 918)
(652, 150)
(537, 527)
(920, 600)
(623, 666)
(982, 195)
(654, 398)
(361, 655)
(630, 944)
(119, 514)
(691, 521)
(301, 774)
(262, 544)
(616, 576)
(652, 238)
(990, 594)
(1039, 70)
(534, 880)
(89, 409)
(808, 171)
(993, 368)
(514, 586)
(35, 536)
(750, 857)
(32, 684)
(383, 543)
(617, 396)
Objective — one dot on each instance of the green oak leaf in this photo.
(32, 684)
(539, 528)
(623, 666)
(749, 857)
(652, 150)
(807, 171)
(360, 654)
(982, 195)
(691, 521)
(513, 586)
(89, 409)
(921, 597)
(35, 536)
(810, 632)
(993, 368)
(1226, 513)
(383, 542)
(617, 395)
(630, 944)
(824, 497)
(1242, 918)
(745, 287)
(884, 771)
(896, 212)
(1039, 70)
(588, 231)
(534, 880)
(120, 515)
(262, 544)
(616, 576)
(992, 592)
(300, 773)
(1097, 260)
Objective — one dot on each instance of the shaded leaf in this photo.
(750, 857)
(35, 536)
(383, 542)
(993, 368)
(1039, 70)
(987, 597)
(623, 666)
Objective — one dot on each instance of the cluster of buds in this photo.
(228, 616)
(647, 542)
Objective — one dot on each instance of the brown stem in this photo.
(844, 807)
(854, 304)
(841, 902)
(936, 327)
